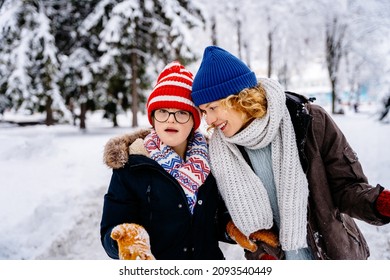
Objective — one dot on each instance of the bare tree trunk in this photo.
(270, 54)
(283, 75)
(247, 52)
(334, 95)
(357, 98)
(214, 40)
(83, 115)
(239, 36)
(334, 50)
(115, 120)
(134, 88)
(49, 111)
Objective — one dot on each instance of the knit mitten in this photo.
(133, 242)
(266, 235)
(268, 246)
(239, 237)
(383, 203)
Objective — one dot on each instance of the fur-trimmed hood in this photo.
(117, 149)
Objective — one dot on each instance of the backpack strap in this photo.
(298, 98)
(301, 119)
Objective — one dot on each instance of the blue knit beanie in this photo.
(220, 74)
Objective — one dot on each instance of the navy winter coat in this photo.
(143, 192)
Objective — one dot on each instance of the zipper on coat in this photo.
(148, 191)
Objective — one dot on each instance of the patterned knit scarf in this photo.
(243, 191)
(190, 174)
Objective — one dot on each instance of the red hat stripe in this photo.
(173, 83)
(171, 98)
(176, 75)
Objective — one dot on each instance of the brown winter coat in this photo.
(338, 191)
(338, 188)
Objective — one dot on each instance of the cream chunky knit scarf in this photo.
(243, 191)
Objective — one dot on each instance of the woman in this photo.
(282, 163)
(162, 202)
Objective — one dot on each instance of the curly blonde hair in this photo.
(250, 102)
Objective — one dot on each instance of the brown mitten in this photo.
(239, 237)
(133, 242)
(268, 247)
(266, 235)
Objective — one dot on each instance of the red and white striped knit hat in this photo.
(173, 90)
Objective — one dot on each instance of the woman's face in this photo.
(229, 121)
(173, 126)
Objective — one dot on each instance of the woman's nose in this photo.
(210, 119)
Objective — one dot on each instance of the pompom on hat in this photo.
(220, 74)
(173, 90)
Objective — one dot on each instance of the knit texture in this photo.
(173, 90)
(383, 203)
(220, 74)
(261, 160)
(243, 191)
(190, 173)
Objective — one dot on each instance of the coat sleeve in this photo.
(351, 192)
(119, 207)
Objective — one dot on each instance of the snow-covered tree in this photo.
(139, 37)
(353, 34)
(275, 38)
(78, 55)
(367, 51)
(105, 53)
(77, 84)
(29, 51)
(66, 17)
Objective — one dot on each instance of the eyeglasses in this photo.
(162, 115)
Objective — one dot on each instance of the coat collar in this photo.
(117, 150)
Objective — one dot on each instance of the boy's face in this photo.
(228, 120)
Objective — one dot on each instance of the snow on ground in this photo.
(52, 182)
